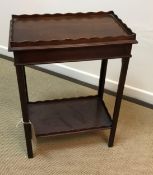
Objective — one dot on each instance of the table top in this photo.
(67, 30)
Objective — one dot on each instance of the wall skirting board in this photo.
(130, 91)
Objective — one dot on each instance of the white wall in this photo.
(137, 14)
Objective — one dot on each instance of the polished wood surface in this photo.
(40, 39)
(72, 54)
(56, 30)
(69, 115)
(44, 28)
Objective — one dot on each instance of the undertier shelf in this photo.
(69, 115)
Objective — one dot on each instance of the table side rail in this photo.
(72, 54)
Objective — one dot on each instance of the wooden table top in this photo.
(67, 30)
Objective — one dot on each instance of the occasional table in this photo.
(51, 38)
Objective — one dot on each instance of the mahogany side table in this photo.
(50, 38)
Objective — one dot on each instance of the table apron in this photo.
(28, 57)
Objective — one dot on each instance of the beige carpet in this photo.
(79, 154)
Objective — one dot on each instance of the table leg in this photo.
(102, 77)
(125, 62)
(21, 78)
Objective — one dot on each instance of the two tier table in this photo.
(51, 38)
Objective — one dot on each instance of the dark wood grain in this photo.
(40, 39)
(124, 68)
(69, 115)
(102, 77)
(21, 78)
(72, 54)
(56, 30)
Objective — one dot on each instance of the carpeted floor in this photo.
(78, 154)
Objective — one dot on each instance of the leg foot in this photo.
(28, 137)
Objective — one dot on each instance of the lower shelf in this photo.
(69, 115)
